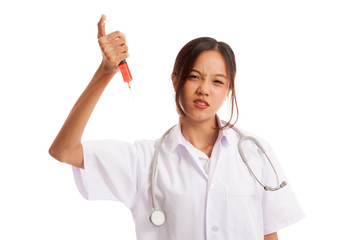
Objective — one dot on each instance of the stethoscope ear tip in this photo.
(283, 184)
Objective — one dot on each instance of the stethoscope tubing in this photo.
(154, 164)
(157, 216)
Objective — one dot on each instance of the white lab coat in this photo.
(226, 203)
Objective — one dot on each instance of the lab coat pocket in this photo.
(242, 203)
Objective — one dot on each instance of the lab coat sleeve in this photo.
(113, 170)
(280, 208)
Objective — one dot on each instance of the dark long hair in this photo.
(185, 62)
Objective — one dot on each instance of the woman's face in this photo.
(206, 87)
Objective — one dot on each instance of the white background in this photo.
(298, 68)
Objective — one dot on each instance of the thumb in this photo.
(101, 26)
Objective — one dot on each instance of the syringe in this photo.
(125, 72)
(123, 66)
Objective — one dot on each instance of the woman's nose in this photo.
(203, 88)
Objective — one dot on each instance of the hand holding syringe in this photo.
(114, 48)
(67, 146)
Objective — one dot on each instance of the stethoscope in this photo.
(157, 216)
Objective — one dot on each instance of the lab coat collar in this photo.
(175, 137)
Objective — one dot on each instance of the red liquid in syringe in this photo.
(125, 72)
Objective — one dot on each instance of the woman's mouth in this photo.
(201, 103)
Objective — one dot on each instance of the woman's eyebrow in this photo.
(194, 70)
(216, 75)
(220, 75)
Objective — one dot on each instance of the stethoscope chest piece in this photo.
(157, 218)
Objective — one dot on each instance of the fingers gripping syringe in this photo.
(123, 66)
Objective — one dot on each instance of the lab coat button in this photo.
(214, 228)
(212, 186)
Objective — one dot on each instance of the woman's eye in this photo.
(194, 77)
(218, 82)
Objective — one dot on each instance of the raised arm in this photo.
(67, 146)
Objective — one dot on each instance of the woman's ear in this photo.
(173, 78)
(230, 90)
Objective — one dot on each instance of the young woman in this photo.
(199, 180)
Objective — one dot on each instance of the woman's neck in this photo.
(202, 135)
